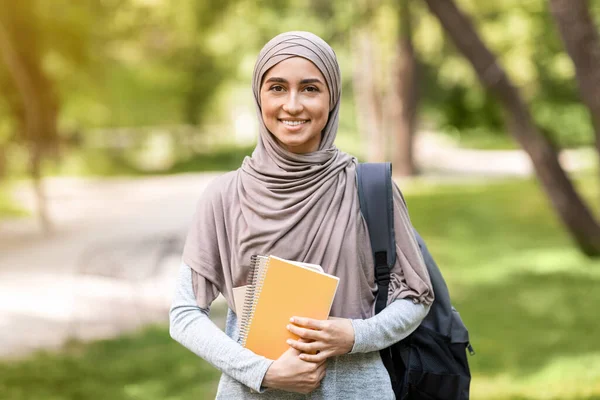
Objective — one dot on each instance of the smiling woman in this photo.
(295, 104)
(296, 198)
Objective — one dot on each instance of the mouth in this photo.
(295, 122)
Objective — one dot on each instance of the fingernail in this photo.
(292, 319)
(288, 327)
(289, 341)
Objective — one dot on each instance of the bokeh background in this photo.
(115, 114)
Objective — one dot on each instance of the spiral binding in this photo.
(256, 277)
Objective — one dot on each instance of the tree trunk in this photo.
(573, 212)
(35, 159)
(37, 119)
(366, 97)
(3, 162)
(582, 43)
(405, 111)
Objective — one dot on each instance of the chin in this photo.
(293, 144)
(286, 140)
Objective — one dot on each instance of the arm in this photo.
(191, 326)
(335, 337)
(392, 324)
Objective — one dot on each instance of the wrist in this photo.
(357, 327)
(351, 336)
(270, 378)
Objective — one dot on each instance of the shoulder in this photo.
(218, 190)
(221, 185)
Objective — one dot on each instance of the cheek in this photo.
(268, 110)
(324, 113)
(265, 105)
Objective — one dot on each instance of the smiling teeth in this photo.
(293, 123)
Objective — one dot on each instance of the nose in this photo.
(292, 105)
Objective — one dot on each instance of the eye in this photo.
(311, 89)
(276, 88)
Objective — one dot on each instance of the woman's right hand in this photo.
(292, 374)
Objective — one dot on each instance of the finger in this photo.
(304, 347)
(293, 351)
(308, 323)
(304, 333)
(314, 358)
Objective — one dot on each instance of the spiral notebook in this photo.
(279, 289)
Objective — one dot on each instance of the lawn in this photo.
(527, 295)
(148, 366)
(8, 206)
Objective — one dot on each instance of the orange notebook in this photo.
(280, 289)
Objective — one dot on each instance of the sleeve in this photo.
(191, 326)
(409, 277)
(392, 324)
(205, 244)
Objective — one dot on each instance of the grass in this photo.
(148, 365)
(526, 294)
(221, 159)
(486, 141)
(528, 297)
(8, 206)
(86, 162)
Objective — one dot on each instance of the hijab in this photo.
(301, 207)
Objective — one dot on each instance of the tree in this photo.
(202, 71)
(37, 111)
(404, 114)
(366, 95)
(41, 44)
(573, 212)
(582, 43)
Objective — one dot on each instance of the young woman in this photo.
(296, 198)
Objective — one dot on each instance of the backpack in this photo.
(431, 363)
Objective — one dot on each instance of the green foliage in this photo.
(125, 63)
(107, 163)
(222, 159)
(524, 38)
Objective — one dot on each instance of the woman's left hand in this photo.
(321, 339)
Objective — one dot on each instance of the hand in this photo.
(321, 339)
(292, 374)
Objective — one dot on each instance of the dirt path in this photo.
(53, 288)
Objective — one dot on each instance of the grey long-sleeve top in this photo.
(359, 374)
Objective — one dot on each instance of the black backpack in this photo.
(431, 363)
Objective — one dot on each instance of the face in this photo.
(295, 104)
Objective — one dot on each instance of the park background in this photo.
(115, 114)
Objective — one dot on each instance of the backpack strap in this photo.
(374, 182)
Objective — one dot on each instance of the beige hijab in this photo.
(297, 206)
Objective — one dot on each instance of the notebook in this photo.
(278, 290)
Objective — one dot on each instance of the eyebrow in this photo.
(302, 82)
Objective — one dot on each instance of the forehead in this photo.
(294, 69)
